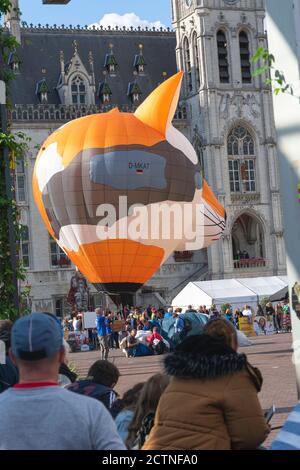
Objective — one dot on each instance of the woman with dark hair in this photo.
(211, 402)
(143, 418)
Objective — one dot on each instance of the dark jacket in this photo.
(94, 390)
(64, 370)
(9, 375)
(211, 402)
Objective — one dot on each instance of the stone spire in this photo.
(12, 20)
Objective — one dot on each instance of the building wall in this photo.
(283, 25)
(211, 111)
(217, 107)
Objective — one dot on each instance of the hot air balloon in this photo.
(94, 168)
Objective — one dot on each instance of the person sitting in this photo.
(38, 414)
(211, 402)
(123, 409)
(131, 344)
(143, 419)
(101, 379)
(156, 342)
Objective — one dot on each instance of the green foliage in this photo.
(17, 145)
(224, 307)
(266, 64)
(5, 6)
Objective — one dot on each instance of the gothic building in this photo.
(231, 123)
(67, 72)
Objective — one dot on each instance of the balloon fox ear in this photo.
(157, 111)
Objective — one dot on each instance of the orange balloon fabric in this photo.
(93, 168)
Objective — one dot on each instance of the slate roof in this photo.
(40, 48)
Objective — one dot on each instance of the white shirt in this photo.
(247, 313)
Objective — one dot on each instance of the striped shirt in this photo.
(289, 437)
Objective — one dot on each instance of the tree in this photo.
(266, 65)
(16, 145)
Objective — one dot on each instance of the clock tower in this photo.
(231, 124)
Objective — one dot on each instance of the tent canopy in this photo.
(236, 292)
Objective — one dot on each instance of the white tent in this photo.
(275, 287)
(215, 292)
(236, 292)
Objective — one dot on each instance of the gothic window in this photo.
(245, 58)
(20, 181)
(241, 154)
(58, 257)
(25, 247)
(187, 64)
(196, 60)
(223, 57)
(78, 90)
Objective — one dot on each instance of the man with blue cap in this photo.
(38, 414)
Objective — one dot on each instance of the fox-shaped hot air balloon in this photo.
(103, 161)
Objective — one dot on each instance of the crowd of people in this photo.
(204, 371)
(140, 329)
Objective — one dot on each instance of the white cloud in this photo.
(127, 20)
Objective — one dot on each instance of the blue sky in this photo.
(91, 11)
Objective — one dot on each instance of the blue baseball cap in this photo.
(36, 336)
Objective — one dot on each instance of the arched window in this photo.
(78, 89)
(241, 155)
(197, 144)
(58, 257)
(248, 243)
(187, 64)
(196, 60)
(223, 57)
(245, 57)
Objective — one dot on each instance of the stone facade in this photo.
(209, 112)
(217, 107)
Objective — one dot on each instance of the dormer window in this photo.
(111, 63)
(104, 92)
(106, 98)
(134, 92)
(44, 97)
(42, 91)
(14, 61)
(78, 90)
(139, 61)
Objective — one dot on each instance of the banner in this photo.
(246, 327)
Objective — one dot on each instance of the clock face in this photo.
(188, 2)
